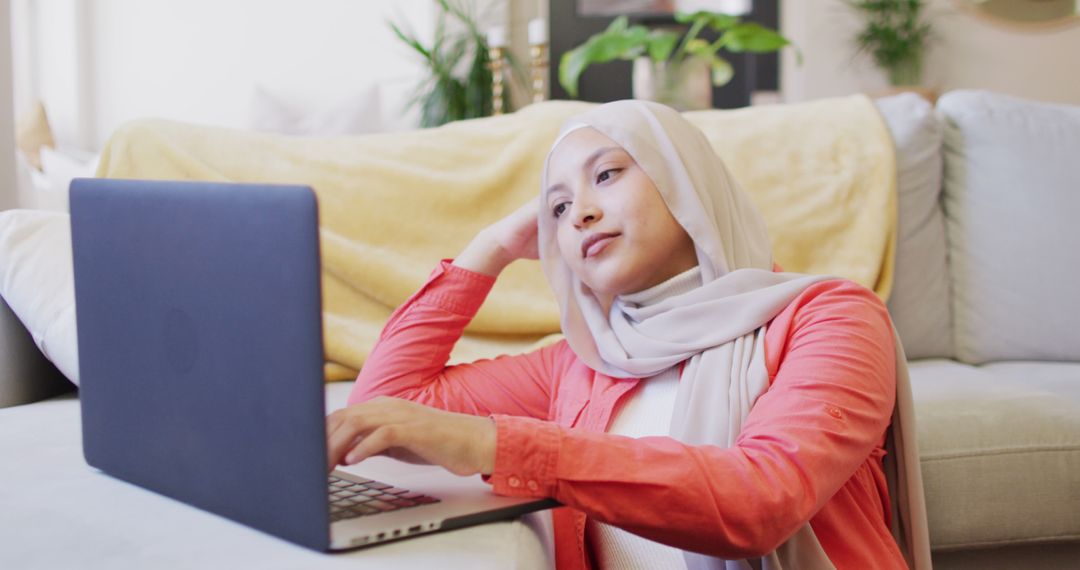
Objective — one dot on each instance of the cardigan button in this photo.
(835, 412)
(514, 482)
(532, 485)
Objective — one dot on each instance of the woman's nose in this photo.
(585, 213)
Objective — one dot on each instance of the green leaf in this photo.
(617, 42)
(714, 20)
(722, 72)
(661, 44)
(478, 91)
(699, 48)
(720, 22)
(687, 17)
(618, 24)
(752, 37)
(571, 64)
(458, 11)
(632, 43)
(411, 41)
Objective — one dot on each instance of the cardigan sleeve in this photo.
(409, 359)
(823, 417)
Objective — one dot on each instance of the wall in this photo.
(55, 50)
(98, 64)
(969, 52)
(8, 187)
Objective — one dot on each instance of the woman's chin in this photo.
(606, 286)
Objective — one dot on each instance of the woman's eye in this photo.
(606, 174)
(559, 209)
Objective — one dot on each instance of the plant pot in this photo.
(684, 85)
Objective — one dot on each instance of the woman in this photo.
(705, 409)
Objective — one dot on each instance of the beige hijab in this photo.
(719, 327)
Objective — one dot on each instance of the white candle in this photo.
(496, 37)
(737, 7)
(731, 7)
(537, 31)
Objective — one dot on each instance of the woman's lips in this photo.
(596, 243)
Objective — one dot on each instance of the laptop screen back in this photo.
(200, 346)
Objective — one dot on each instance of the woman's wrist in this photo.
(483, 255)
(486, 444)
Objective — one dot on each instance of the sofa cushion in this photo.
(36, 281)
(49, 493)
(1011, 200)
(919, 303)
(1000, 451)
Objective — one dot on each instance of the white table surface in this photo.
(58, 512)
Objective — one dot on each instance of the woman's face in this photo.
(613, 228)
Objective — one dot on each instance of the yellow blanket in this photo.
(391, 205)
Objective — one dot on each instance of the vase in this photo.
(684, 85)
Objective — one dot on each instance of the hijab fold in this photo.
(717, 328)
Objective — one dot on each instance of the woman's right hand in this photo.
(516, 233)
(498, 245)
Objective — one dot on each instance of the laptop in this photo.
(201, 362)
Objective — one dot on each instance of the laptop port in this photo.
(413, 529)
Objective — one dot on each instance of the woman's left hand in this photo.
(463, 444)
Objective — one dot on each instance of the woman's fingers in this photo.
(343, 429)
(410, 432)
(346, 428)
(373, 443)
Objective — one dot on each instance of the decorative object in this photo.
(538, 64)
(1025, 14)
(895, 34)
(683, 85)
(460, 84)
(667, 53)
(32, 133)
(660, 7)
(496, 40)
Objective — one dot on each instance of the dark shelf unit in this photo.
(611, 81)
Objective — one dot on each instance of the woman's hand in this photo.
(516, 233)
(507, 240)
(463, 444)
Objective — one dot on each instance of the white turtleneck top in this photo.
(646, 412)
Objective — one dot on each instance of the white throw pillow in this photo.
(1012, 193)
(58, 169)
(919, 303)
(356, 114)
(36, 280)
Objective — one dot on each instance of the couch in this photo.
(984, 298)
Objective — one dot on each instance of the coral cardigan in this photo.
(810, 450)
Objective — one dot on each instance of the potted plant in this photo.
(459, 84)
(895, 36)
(673, 68)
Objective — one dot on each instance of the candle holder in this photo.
(538, 63)
(538, 57)
(495, 57)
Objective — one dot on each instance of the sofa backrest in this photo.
(919, 303)
(1011, 201)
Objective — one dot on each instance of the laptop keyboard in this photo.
(350, 499)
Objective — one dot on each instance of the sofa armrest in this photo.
(25, 374)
